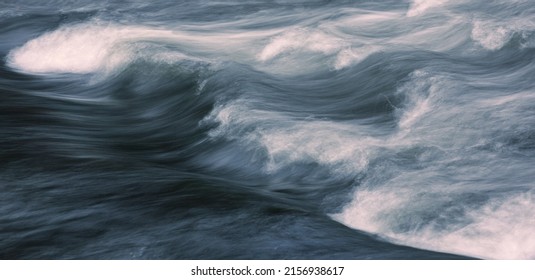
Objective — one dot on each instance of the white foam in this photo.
(352, 56)
(341, 147)
(452, 202)
(419, 7)
(421, 94)
(493, 35)
(82, 48)
(301, 40)
(322, 142)
(501, 229)
(350, 39)
(367, 208)
(429, 207)
(338, 51)
(490, 35)
(346, 148)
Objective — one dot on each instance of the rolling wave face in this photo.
(202, 125)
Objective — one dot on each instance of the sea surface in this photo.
(274, 129)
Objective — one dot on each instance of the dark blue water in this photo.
(267, 129)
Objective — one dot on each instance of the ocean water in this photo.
(281, 129)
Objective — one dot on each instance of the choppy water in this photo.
(267, 129)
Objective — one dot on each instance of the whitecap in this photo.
(502, 228)
(301, 39)
(87, 48)
(419, 7)
(491, 35)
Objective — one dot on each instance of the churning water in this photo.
(267, 129)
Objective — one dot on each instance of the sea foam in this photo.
(84, 48)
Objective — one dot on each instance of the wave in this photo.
(418, 7)
(89, 48)
(408, 121)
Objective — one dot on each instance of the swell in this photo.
(408, 121)
(116, 185)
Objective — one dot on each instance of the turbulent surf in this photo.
(267, 129)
